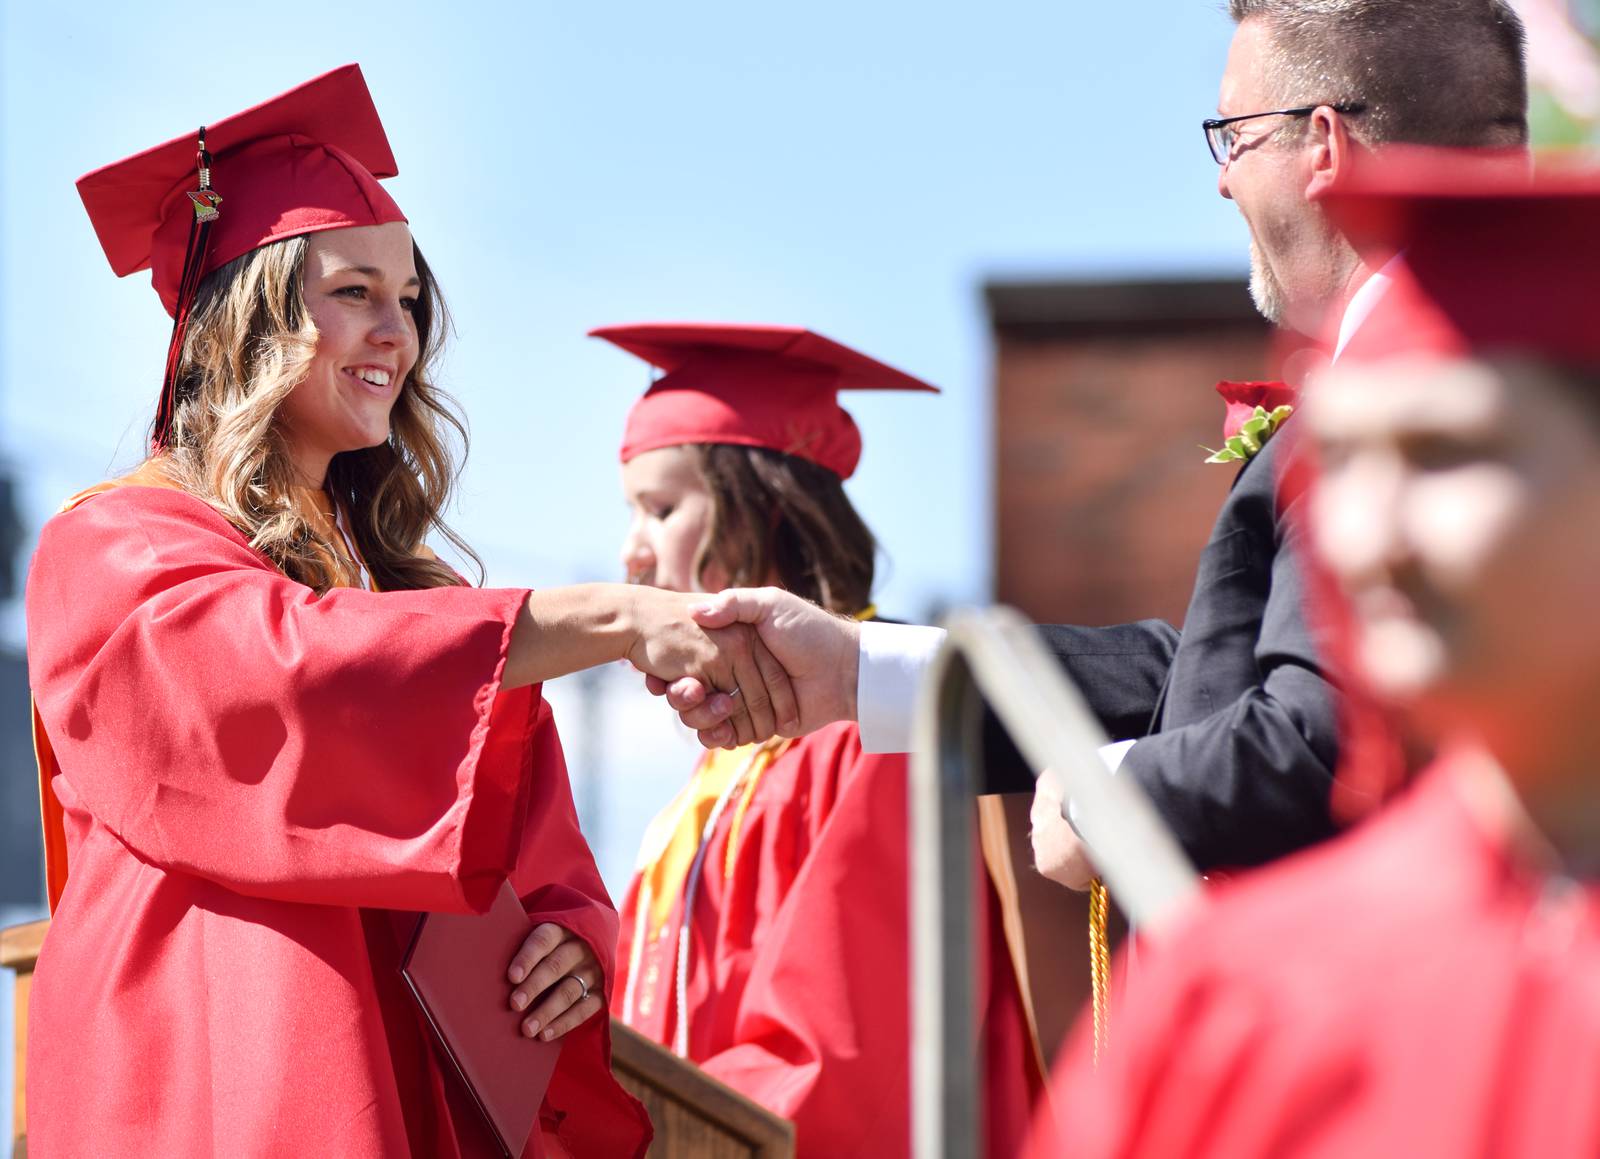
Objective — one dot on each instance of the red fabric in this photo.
(797, 986)
(1409, 989)
(755, 386)
(1495, 261)
(259, 788)
(1242, 398)
(305, 161)
(1373, 763)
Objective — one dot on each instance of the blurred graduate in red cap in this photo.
(272, 726)
(766, 933)
(1430, 983)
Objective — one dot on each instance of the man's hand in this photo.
(728, 659)
(1058, 853)
(819, 652)
(558, 973)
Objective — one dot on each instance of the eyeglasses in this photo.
(1221, 135)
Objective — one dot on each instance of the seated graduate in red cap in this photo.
(272, 726)
(1428, 985)
(765, 935)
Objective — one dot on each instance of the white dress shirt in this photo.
(1362, 302)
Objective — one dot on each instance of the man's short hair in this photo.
(1430, 72)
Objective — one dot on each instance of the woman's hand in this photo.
(563, 630)
(557, 972)
(819, 654)
(731, 659)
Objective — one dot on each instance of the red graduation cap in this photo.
(1495, 260)
(756, 386)
(302, 162)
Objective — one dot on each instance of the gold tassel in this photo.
(1099, 962)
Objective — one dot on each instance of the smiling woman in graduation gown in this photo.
(271, 725)
(257, 787)
(766, 932)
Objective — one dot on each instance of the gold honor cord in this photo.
(1099, 962)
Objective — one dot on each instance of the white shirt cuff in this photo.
(1112, 755)
(893, 660)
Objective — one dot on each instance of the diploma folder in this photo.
(456, 968)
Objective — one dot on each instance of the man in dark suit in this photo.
(1238, 722)
(1233, 721)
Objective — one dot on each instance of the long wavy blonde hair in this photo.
(249, 342)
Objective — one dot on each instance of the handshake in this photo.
(751, 663)
(746, 664)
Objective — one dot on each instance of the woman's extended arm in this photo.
(567, 629)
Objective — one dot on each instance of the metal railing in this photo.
(995, 655)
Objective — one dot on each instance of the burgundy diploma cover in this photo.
(456, 968)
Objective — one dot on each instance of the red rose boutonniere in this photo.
(1255, 412)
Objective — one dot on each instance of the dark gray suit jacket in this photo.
(1238, 720)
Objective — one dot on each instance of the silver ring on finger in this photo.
(581, 983)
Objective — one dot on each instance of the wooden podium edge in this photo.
(653, 1065)
(20, 945)
(19, 950)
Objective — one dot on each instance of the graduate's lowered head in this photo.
(306, 327)
(1458, 444)
(709, 516)
(734, 461)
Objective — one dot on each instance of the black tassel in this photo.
(207, 208)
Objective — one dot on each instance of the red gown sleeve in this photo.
(585, 1110)
(222, 720)
(823, 1026)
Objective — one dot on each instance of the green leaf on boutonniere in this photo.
(1222, 456)
(1253, 435)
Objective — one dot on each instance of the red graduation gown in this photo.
(1408, 990)
(799, 982)
(258, 788)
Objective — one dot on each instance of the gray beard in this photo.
(1265, 289)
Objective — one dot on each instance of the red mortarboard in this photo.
(1494, 260)
(755, 386)
(303, 162)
